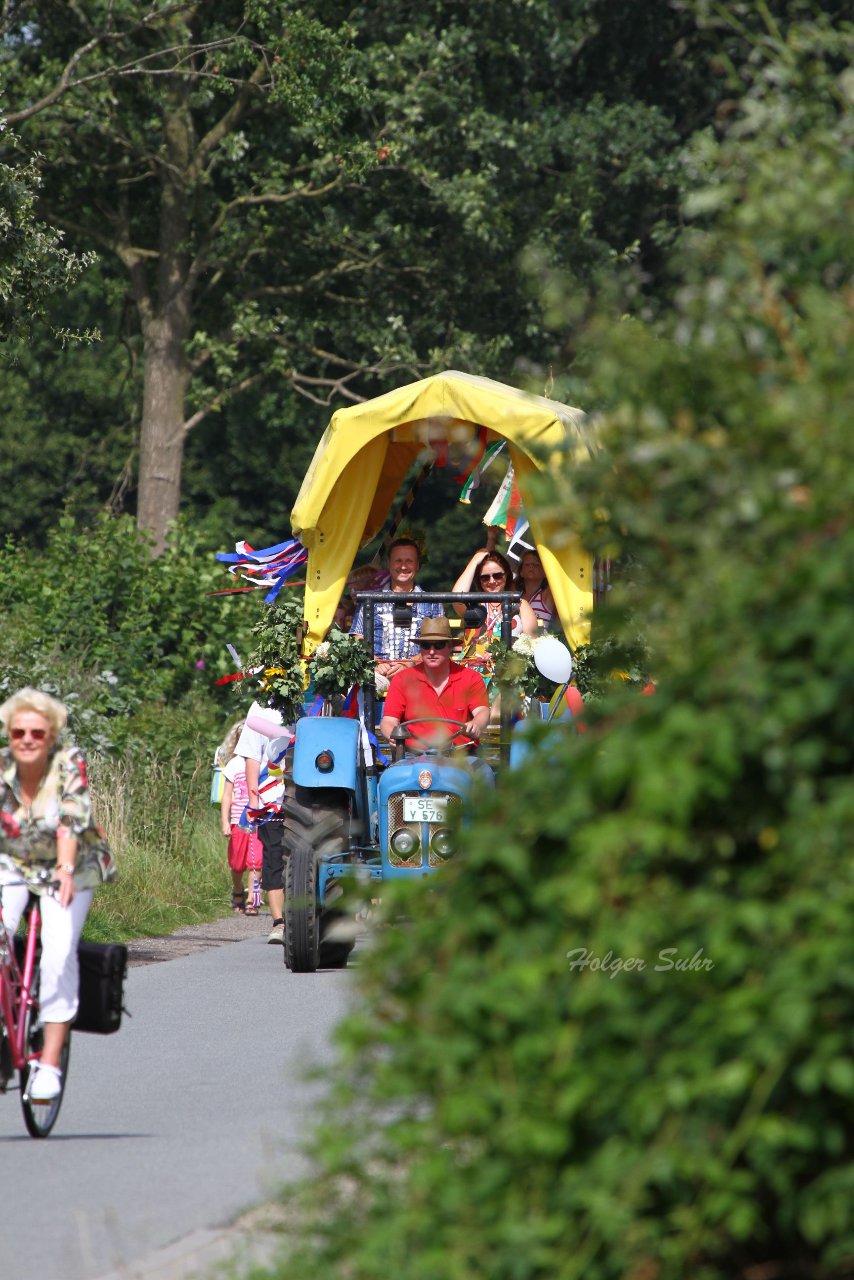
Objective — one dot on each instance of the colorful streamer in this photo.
(271, 776)
(238, 675)
(271, 567)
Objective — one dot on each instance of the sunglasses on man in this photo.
(38, 735)
(433, 644)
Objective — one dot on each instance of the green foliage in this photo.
(277, 656)
(264, 466)
(131, 644)
(71, 422)
(154, 808)
(616, 652)
(513, 667)
(338, 200)
(34, 263)
(339, 662)
(614, 1038)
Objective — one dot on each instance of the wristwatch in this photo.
(66, 866)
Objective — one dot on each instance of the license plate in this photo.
(425, 808)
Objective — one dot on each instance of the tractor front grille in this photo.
(423, 831)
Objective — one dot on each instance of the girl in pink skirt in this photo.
(244, 847)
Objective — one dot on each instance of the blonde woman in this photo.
(46, 818)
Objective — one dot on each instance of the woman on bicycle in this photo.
(46, 820)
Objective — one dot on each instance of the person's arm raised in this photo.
(465, 580)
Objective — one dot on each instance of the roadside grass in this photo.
(165, 837)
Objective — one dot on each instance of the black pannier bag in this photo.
(103, 966)
(102, 976)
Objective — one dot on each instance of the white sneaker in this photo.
(277, 934)
(45, 1084)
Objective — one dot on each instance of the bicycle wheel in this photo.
(40, 1117)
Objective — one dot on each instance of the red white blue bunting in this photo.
(271, 567)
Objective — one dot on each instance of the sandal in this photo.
(238, 900)
(251, 910)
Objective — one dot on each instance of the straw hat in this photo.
(434, 629)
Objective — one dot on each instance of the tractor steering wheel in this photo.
(457, 726)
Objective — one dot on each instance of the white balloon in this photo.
(553, 660)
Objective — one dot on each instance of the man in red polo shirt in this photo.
(436, 689)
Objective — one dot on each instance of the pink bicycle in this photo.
(20, 1027)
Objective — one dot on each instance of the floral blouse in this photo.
(62, 805)
(475, 649)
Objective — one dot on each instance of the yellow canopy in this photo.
(367, 450)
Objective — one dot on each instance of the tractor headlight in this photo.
(404, 843)
(442, 842)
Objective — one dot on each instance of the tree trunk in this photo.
(161, 444)
(166, 319)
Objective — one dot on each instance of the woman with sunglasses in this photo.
(46, 820)
(490, 571)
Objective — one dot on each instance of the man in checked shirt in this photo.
(396, 648)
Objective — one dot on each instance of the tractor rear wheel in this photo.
(315, 825)
(302, 927)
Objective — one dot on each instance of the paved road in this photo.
(186, 1118)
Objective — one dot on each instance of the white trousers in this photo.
(61, 930)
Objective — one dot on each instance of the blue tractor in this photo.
(349, 810)
(357, 810)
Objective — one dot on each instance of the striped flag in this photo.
(506, 509)
(518, 544)
(474, 477)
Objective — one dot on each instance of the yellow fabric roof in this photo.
(367, 450)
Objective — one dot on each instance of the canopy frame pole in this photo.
(509, 601)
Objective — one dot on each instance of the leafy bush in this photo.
(614, 1039)
(130, 644)
(275, 656)
(125, 640)
(339, 662)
